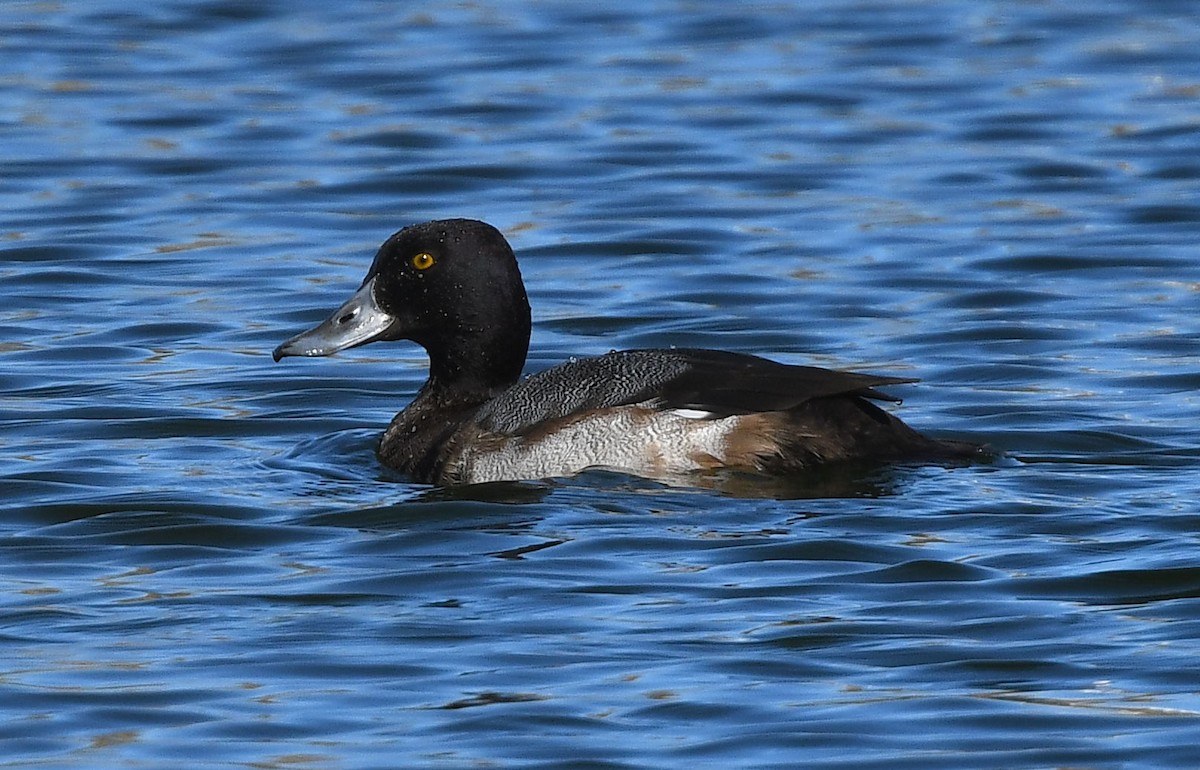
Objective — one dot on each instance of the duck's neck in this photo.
(462, 377)
(476, 367)
(478, 349)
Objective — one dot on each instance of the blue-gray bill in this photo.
(359, 321)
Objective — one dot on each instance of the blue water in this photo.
(202, 564)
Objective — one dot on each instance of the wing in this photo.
(735, 383)
(713, 381)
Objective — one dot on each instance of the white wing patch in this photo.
(693, 414)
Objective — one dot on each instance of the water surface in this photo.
(202, 563)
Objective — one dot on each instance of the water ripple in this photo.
(201, 556)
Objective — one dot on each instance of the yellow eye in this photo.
(423, 261)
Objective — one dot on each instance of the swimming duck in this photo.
(453, 287)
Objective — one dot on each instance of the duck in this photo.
(453, 287)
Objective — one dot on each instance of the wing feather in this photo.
(714, 381)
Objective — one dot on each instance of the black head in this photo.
(453, 287)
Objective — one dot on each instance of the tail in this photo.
(852, 429)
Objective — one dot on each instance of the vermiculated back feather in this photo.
(718, 382)
(625, 377)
